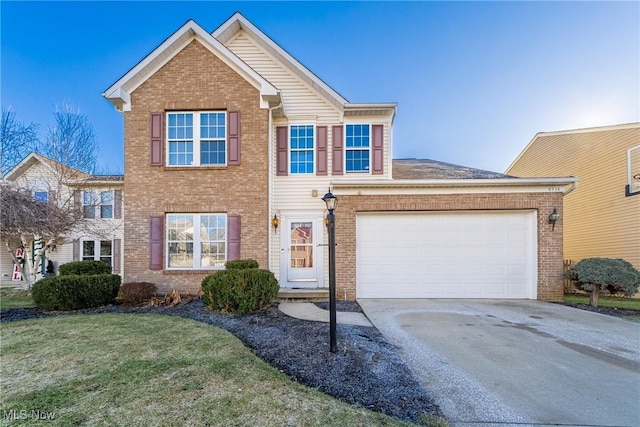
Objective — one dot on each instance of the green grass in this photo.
(146, 370)
(15, 298)
(610, 302)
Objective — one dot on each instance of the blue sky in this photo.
(475, 81)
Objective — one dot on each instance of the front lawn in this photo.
(15, 298)
(604, 301)
(146, 369)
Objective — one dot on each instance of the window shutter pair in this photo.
(282, 150)
(116, 254)
(156, 239)
(377, 150)
(233, 138)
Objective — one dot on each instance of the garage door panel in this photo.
(460, 254)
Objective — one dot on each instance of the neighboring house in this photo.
(602, 216)
(98, 235)
(230, 144)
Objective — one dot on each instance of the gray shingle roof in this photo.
(432, 169)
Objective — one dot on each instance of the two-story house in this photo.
(602, 216)
(94, 204)
(231, 143)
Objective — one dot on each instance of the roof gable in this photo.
(237, 23)
(119, 93)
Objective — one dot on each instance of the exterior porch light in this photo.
(331, 202)
(553, 217)
(275, 222)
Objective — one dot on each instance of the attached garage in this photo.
(447, 254)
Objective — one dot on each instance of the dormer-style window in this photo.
(301, 149)
(197, 138)
(357, 147)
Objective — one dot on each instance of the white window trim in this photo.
(312, 149)
(97, 205)
(197, 248)
(96, 249)
(345, 149)
(197, 140)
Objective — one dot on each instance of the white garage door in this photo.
(457, 254)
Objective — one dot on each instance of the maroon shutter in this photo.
(233, 237)
(282, 151)
(76, 250)
(155, 242)
(378, 149)
(157, 126)
(321, 150)
(117, 243)
(117, 204)
(337, 150)
(233, 135)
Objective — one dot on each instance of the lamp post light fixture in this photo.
(553, 217)
(331, 202)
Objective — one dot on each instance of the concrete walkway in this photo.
(310, 311)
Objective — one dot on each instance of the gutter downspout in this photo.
(270, 182)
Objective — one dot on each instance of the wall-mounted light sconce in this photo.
(553, 217)
(275, 222)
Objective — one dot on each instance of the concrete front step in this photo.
(303, 295)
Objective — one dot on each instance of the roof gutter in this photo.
(432, 183)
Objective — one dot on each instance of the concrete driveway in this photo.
(507, 362)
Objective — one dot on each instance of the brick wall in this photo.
(550, 264)
(194, 79)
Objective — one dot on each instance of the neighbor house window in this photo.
(98, 250)
(196, 138)
(41, 196)
(97, 204)
(301, 149)
(196, 241)
(633, 170)
(357, 147)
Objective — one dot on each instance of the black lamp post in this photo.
(331, 202)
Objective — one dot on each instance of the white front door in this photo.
(301, 254)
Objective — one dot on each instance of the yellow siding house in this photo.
(602, 215)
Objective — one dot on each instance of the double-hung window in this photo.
(197, 138)
(357, 147)
(97, 204)
(98, 250)
(301, 149)
(196, 241)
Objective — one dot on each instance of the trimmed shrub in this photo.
(241, 264)
(135, 293)
(75, 292)
(606, 276)
(84, 268)
(240, 291)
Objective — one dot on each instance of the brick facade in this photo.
(550, 268)
(195, 79)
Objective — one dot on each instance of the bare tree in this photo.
(22, 216)
(16, 139)
(71, 140)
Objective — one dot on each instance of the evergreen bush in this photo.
(84, 268)
(75, 292)
(606, 276)
(239, 290)
(241, 264)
